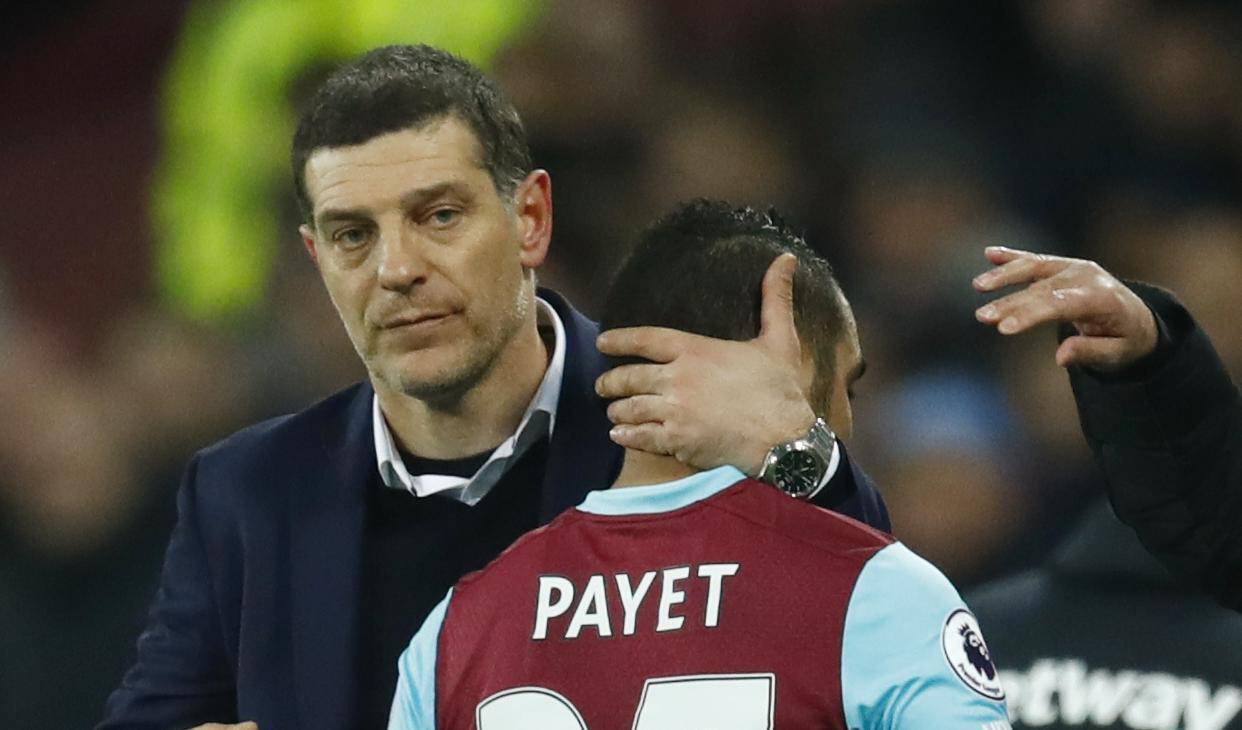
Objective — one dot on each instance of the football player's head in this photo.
(700, 269)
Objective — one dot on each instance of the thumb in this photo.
(776, 314)
(1097, 353)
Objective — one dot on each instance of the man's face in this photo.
(428, 268)
(848, 367)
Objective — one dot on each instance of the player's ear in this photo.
(308, 241)
(532, 204)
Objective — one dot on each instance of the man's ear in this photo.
(308, 241)
(532, 203)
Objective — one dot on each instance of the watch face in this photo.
(798, 473)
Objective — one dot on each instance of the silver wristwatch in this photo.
(797, 467)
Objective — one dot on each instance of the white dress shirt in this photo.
(537, 422)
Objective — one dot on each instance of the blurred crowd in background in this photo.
(902, 136)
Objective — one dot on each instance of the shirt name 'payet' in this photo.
(590, 604)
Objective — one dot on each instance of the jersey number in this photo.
(720, 701)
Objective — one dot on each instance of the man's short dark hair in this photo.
(399, 87)
(700, 269)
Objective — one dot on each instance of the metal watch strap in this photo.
(822, 438)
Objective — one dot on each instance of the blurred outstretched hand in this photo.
(1115, 328)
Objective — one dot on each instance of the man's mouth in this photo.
(415, 320)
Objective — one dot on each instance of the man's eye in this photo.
(352, 237)
(444, 217)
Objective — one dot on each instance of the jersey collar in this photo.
(666, 497)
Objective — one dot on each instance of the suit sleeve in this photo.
(414, 704)
(849, 491)
(182, 676)
(912, 655)
(1168, 436)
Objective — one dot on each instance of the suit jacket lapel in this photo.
(327, 518)
(581, 457)
(328, 511)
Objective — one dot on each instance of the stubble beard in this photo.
(451, 382)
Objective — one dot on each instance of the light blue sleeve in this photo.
(912, 655)
(414, 704)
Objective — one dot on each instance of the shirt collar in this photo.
(392, 468)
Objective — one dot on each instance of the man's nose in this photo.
(401, 264)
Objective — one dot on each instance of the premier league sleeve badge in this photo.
(968, 655)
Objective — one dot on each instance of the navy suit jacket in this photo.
(256, 613)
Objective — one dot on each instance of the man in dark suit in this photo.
(309, 548)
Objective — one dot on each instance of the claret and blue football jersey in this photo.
(711, 602)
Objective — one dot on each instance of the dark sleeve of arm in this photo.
(1168, 435)
(182, 677)
(851, 492)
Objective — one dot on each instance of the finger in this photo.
(1024, 269)
(649, 437)
(776, 314)
(997, 255)
(1097, 353)
(628, 380)
(1004, 254)
(1031, 308)
(996, 310)
(657, 344)
(640, 409)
